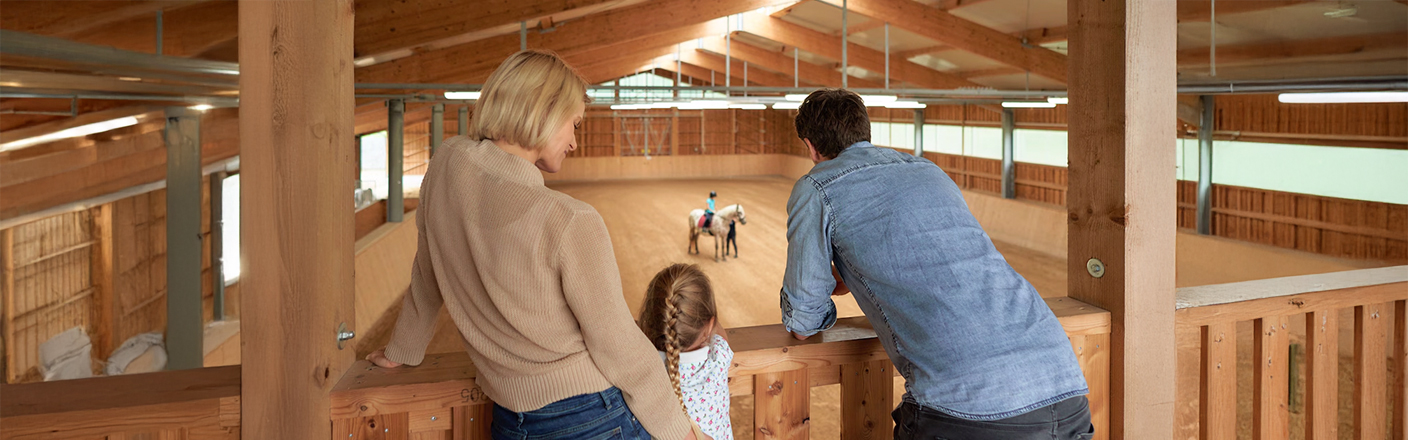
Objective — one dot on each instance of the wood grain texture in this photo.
(829, 46)
(1371, 328)
(1119, 208)
(296, 121)
(782, 405)
(1218, 420)
(100, 393)
(867, 396)
(1400, 368)
(949, 29)
(1270, 386)
(1322, 331)
(196, 419)
(1093, 354)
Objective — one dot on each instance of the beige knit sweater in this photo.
(529, 277)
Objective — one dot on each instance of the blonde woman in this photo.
(528, 275)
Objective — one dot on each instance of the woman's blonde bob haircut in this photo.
(526, 99)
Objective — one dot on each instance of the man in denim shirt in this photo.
(982, 355)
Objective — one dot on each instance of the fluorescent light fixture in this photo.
(905, 104)
(786, 106)
(1342, 97)
(703, 105)
(128, 78)
(625, 107)
(748, 106)
(202, 107)
(661, 105)
(82, 130)
(461, 95)
(796, 97)
(877, 100)
(1058, 100)
(1027, 104)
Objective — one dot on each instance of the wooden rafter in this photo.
(75, 19)
(385, 26)
(188, 28)
(948, 5)
(716, 63)
(1292, 49)
(777, 62)
(996, 71)
(1201, 10)
(596, 33)
(788, 10)
(866, 58)
(966, 35)
(862, 27)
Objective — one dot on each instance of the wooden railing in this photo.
(1207, 320)
(190, 404)
(440, 399)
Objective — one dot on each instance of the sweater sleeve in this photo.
(591, 283)
(422, 303)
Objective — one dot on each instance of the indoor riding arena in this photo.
(1210, 195)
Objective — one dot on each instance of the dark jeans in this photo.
(595, 416)
(1065, 420)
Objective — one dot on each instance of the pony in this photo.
(718, 227)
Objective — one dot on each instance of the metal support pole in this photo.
(395, 156)
(745, 77)
(158, 31)
(217, 242)
(919, 132)
(794, 67)
(1205, 128)
(464, 120)
(887, 54)
(1009, 169)
(437, 127)
(184, 332)
(678, 68)
(845, 11)
(522, 35)
(728, 53)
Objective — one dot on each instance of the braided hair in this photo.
(679, 303)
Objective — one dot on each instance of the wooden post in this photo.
(1271, 414)
(1121, 209)
(296, 221)
(1218, 420)
(867, 396)
(782, 407)
(1370, 339)
(101, 277)
(1322, 341)
(1400, 380)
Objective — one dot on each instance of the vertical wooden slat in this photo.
(1370, 340)
(472, 422)
(1400, 370)
(1270, 388)
(1093, 354)
(1188, 382)
(1218, 416)
(7, 282)
(1322, 375)
(782, 407)
(867, 396)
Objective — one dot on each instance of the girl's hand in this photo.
(379, 359)
(841, 288)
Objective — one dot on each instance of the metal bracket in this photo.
(343, 334)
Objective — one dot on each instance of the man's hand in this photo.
(379, 359)
(841, 288)
(799, 337)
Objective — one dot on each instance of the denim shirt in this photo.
(971, 337)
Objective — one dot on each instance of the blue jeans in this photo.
(1065, 420)
(596, 416)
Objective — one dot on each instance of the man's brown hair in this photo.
(833, 119)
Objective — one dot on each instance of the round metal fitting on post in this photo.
(1095, 267)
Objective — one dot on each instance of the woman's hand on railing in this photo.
(379, 359)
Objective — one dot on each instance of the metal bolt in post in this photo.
(343, 334)
(1095, 267)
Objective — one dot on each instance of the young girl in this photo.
(680, 318)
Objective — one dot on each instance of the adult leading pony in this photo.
(718, 227)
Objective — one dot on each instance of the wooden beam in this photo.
(860, 56)
(1322, 340)
(186, 31)
(74, 20)
(1042, 35)
(624, 65)
(390, 26)
(861, 27)
(296, 102)
(594, 33)
(949, 5)
(716, 64)
(1119, 216)
(782, 406)
(996, 71)
(907, 54)
(99, 393)
(788, 10)
(1371, 329)
(140, 111)
(966, 35)
(1201, 10)
(756, 56)
(1262, 53)
(867, 396)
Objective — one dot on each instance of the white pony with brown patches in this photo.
(718, 227)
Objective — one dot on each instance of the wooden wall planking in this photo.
(52, 288)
